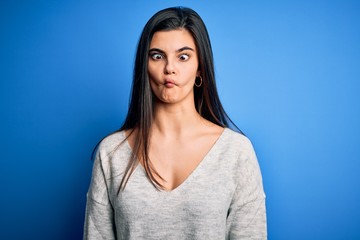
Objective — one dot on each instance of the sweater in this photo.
(223, 198)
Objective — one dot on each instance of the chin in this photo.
(167, 99)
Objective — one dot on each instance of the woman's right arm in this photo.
(99, 216)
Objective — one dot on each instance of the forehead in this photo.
(172, 40)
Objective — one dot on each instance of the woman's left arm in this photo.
(247, 212)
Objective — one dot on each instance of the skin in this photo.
(180, 137)
(173, 66)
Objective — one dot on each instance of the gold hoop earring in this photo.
(199, 84)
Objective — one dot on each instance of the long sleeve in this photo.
(247, 213)
(222, 199)
(99, 216)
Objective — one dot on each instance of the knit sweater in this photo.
(223, 197)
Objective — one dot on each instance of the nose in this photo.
(169, 67)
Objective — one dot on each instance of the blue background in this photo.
(288, 74)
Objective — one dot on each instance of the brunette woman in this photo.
(175, 169)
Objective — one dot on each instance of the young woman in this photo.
(175, 170)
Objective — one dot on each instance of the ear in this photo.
(198, 73)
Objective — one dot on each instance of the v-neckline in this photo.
(191, 175)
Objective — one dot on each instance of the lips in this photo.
(169, 83)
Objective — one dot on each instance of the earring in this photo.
(198, 84)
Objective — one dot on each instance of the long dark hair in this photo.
(141, 107)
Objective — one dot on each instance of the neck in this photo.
(175, 119)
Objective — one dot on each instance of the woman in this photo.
(175, 170)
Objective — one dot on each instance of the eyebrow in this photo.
(179, 50)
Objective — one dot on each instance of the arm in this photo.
(99, 216)
(247, 213)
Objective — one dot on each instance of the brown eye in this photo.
(156, 56)
(184, 57)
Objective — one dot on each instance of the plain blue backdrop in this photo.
(288, 74)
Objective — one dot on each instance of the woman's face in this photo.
(173, 65)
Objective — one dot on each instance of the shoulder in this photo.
(233, 149)
(110, 147)
(237, 150)
(113, 154)
(111, 142)
(235, 159)
(236, 140)
(246, 165)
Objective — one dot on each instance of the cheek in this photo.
(153, 73)
(150, 71)
(191, 73)
(192, 68)
(153, 79)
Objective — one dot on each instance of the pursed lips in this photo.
(169, 83)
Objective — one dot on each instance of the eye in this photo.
(184, 57)
(156, 56)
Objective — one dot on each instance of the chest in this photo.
(174, 161)
(200, 197)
